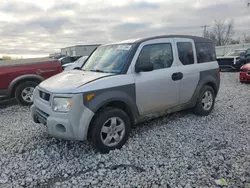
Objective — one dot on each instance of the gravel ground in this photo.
(180, 150)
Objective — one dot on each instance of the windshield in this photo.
(110, 58)
(236, 53)
(83, 58)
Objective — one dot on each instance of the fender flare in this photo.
(20, 78)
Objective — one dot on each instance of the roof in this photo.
(82, 45)
(7, 63)
(140, 40)
(195, 38)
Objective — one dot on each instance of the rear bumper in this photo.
(244, 77)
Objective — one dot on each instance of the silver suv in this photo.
(125, 83)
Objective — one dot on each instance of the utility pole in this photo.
(205, 29)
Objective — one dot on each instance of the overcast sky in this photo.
(28, 27)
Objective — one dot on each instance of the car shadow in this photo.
(7, 102)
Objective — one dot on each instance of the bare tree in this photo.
(222, 32)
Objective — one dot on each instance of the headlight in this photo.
(62, 104)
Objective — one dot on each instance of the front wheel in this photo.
(109, 130)
(24, 93)
(205, 102)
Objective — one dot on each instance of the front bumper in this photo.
(230, 63)
(72, 125)
(244, 76)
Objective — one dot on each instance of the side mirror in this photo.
(145, 67)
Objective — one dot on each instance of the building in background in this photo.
(54, 55)
(222, 50)
(79, 50)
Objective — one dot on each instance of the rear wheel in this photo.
(205, 102)
(24, 93)
(109, 130)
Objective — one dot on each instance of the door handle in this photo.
(177, 76)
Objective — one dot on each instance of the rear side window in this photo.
(185, 53)
(205, 52)
(161, 55)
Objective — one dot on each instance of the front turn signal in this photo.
(90, 96)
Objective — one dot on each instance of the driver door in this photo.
(157, 90)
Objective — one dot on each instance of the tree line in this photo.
(222, 33)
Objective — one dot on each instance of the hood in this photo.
(67, 81)
(228, 57)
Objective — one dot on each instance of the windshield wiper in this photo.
(97, 70)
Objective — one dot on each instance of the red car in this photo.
(245, 73)
(18, 78)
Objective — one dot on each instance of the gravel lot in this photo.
(180, 150)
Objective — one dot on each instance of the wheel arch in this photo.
(120, 104)
(115, 103)
(30, 77)
(213, 85)
(209, 80)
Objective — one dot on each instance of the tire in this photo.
(103, 119)
(28, 88)
(200, 108)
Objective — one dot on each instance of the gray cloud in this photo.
(9, 7)
(38, 31)
(65, 6)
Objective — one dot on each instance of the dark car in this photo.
(234, 59)
(248, 54)
(68, 59)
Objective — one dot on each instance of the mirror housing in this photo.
(144, 67)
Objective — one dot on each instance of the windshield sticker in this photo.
(124, 47)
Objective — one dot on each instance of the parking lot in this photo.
(180, 150)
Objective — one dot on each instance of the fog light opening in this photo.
(60, 128)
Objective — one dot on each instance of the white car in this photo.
(77, 63)
(124, 83)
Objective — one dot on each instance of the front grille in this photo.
(45, 96)
(41, 116)
(225, 61)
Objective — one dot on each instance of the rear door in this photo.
(187, 61)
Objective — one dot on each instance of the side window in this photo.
(185, 52)
(205, 52)
(160, 55)
(66, 60)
